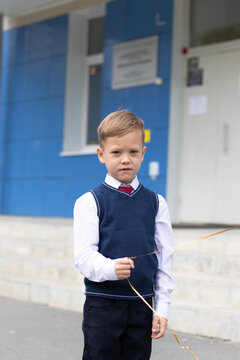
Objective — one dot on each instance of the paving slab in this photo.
(35, 332)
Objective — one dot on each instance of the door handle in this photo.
(225, 138)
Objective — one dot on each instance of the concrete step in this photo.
(208, 264)
(39, 268)
(46, 262)
(207, 290)
(36, 264)
(198, 319)
(60, 229)
(30, 228)
(227, 244)
(61, 294)
(38, 248)
(187, 316)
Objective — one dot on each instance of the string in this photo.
(176, 246)
(172, 331)
(187, 242)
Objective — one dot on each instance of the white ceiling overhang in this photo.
(17, 8)
(22, 12)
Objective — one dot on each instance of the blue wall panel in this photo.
(55, 196)
(55, 116)
(9, 47)
(56, 166)
(35, 179)
(5, 85)
(26, 120)
(3, 114)
(14, 197)
(24, 196)
(42, 31)
(160, 183)
(34, 194)
(150, 102)
(156, 151)
(15, 161)
(56, 84)
(77, 168)
(35, 158)
(33, 90)
(37, 79)
(164, 55)
(17, 83)
(142, 17)
(116, 22)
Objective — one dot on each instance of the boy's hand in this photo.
(159, 326)
(123, 268)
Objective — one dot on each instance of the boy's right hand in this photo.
(123, 268)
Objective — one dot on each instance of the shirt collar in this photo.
(116, 183)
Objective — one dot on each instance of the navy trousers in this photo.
(116, 329)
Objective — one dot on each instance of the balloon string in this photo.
(176, 246)
(174, 334)
(187, 242)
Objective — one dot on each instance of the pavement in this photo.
(35, 332)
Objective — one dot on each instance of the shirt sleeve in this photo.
(165, 243)
(93, 265)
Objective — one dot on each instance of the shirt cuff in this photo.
(109, 270)
(162, 310)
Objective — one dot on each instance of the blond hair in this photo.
(119, 123)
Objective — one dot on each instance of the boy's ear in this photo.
(100, 155)
(143, 152)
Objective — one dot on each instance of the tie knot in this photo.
(127, 189)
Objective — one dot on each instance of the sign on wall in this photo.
(135, 63)
(194, 74)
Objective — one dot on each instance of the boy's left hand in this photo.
(159, 326)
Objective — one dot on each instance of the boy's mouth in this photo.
(125, 169)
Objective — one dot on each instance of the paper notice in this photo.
(197, 105)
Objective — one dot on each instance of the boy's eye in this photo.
(134, 151)
(115, 152)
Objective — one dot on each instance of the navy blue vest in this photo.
(126, 228)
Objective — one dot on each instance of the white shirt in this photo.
(97, 267)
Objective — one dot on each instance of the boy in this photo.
(119, 219)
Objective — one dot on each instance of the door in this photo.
(209, 189)
(228, 167)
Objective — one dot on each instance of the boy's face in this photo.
(123, 155)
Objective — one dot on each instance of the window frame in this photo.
(90, 60)
(77, 83)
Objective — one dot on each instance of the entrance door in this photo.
(228, 169)
(210, 172)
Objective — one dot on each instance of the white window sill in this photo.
(88, 150)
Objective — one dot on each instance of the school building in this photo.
(65, 67)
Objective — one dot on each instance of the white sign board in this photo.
(135, 63)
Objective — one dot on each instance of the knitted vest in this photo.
(126, 228)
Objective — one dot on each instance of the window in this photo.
(84, 81)
(95, 35)
(94, 80)
(94, 101)
(214, 21)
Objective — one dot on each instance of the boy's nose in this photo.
(125, 159)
